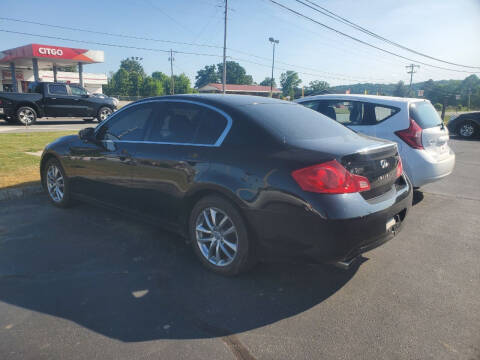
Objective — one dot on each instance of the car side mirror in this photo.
(87, 134)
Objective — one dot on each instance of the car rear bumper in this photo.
(422, 168)
(304, 233)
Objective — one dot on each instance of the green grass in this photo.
(16, 167)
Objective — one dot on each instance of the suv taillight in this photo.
(412, 136)
(330, 178)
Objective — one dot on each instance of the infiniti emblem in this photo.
(384, 163)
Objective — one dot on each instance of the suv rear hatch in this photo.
(379, 165)
(435, 136)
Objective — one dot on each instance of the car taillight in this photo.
(330, 178)
(399, 168)
(412, 136)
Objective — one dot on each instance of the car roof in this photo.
(360, 97)
(230, 100)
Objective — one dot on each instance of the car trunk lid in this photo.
(378, 164)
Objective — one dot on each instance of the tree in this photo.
(289, 81)
(266, 82)
(135, 83)
(152, 87)
(400, 89)
(316, 87)
(121, 82)
(206, 76)
(236, 74)
(182, 84)
(132, 65)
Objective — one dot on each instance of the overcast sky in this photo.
(449, 30)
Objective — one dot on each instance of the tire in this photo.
(26, 115)
(467, 129)
(50, 175)
(237, 261)
(103, 113)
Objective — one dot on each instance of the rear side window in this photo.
(425, 114)
(293, 122)
(186, 123)
(55, 89)
(128, 125)
(354, 112)
(77, 90)
(345, 112)
(383, 112)
(35, 88)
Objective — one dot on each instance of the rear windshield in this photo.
(425, 114)
(294, 122)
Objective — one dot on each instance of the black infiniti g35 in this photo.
(244, 178)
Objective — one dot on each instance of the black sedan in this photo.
(243, 178)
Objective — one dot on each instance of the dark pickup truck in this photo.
(53, 100)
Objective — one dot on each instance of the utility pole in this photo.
(224, 75)
(469, 94)
(273, 41)
(411, 72)
(172, 89)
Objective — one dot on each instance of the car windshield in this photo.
(425, 114)
(294, 122)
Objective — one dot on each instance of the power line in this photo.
(364, 42)
(160, 40)
(345, 21)
(108, 33)
(109, 44)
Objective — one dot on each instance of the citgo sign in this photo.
(49, 51)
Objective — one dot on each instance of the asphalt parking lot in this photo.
(88, 283)
(47, 124)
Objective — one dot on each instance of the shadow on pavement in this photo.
(417, 197)
(457, 137)
(133, 282)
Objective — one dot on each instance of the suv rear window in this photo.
(425, 114)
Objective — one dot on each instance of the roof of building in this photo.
(238, 88)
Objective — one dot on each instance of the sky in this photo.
(445, 29)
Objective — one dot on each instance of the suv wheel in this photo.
(219, 236)
(103, 113)
(26, 115)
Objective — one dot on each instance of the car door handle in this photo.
(53, 98)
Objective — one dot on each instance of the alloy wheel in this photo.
(216, 236)
(467, 130)
(105, 113)
(55, 183)
(26, 116)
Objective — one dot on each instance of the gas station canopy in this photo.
(40, 57)
(48, 55)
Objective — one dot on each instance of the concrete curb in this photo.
(20, 192)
